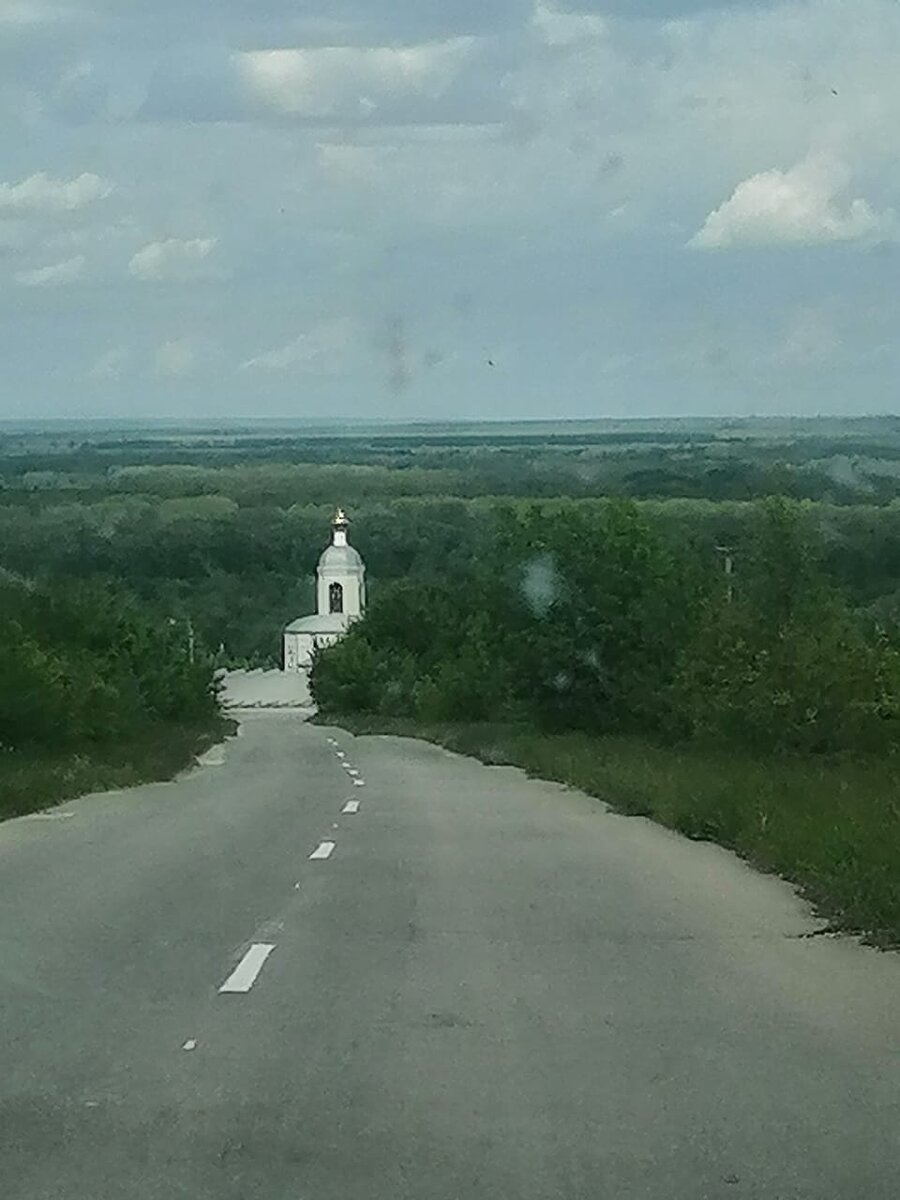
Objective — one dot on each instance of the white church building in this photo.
(340, 599)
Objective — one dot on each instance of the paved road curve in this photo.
(472, 986)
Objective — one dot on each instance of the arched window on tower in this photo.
(336, 598)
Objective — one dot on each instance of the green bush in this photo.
(82, 664)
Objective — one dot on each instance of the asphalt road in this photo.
(486, 988)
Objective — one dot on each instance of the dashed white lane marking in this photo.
(341, 754)
(331, 741)
(352, 806)
(323, 850)
(359, 783)
(49, 816)
(352, 771)
(190, 1044)
(243, 977)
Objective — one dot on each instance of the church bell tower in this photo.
(341, 589)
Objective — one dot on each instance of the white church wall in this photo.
(354, 597)
(290, 661)
(299, 647)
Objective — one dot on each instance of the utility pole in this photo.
(728, 553)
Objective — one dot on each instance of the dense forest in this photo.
(594, 621)
(86, 665)
(95, 690)
(223, 528)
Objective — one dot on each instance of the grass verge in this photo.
(829, 825)
(30, 782)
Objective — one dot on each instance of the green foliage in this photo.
(38, 776)
(589, 620)
(783, 663)
(84, 665)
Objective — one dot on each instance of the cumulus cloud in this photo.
(175, 357)
(395, 81)
(350, 145)
(54, 275)
(801, 206)
(658, 10)
(172, 259)
(41, 194)
(319, 349)
(345, 81)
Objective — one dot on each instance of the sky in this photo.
(433, 209)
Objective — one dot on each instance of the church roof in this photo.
(341, 558)
(323, 623)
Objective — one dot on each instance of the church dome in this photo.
(340, 558)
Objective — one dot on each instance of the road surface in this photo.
(475, 986)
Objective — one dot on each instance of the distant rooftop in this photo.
(327, 623)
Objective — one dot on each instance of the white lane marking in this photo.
(331, 741)
(323, 850)
(352, 806)
(352, 771)
(341, 754)
(359, 783)
(244, 974)
(49, 816)
(190, 1044)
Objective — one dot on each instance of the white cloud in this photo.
(176, 357)
(556, 27)
(172, 259)
(54, 275)
(41, 194)
(320, 349)
(27, 12)
(337, 81)
(801, 206)
(110, 364)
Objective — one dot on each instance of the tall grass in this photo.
(30, 781)
(831, 825)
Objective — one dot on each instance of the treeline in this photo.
(594, 620)
(83, 666)
(240, 572)
(637, 464)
